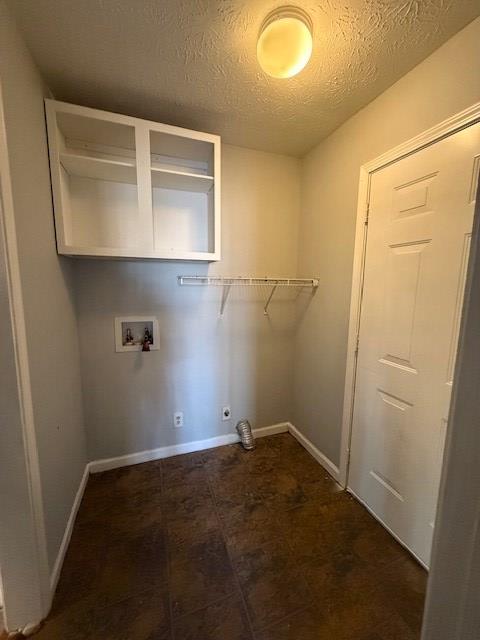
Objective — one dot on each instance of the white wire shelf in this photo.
(241, 281)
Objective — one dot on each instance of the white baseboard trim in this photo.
(321, 458)
(281, 427)
(55, 575)
(105, 464)
(176, 449)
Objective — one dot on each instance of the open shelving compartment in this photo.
(98, 184)
(129, 188)
(183, 194)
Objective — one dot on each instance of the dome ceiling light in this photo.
(285, 42)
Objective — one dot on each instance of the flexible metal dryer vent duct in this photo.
(246, 436)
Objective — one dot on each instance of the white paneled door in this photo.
(419, 230)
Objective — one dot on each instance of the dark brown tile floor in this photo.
(232, 545)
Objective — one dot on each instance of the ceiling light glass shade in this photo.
(285, 42)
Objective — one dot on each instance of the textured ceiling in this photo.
(193, 62)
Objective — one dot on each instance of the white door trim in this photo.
(446, 128)
(15, 293)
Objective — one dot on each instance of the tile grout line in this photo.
(167, 551)
(295, 561)
(195, 611)
(203, 607)
(232, 566)
(272, 625)
(291, 554)
(298, 565)
(94, 609)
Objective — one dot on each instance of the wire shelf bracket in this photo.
(227, 283)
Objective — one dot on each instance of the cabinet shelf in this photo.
(99, 168)
(181, 180)
(125, 188)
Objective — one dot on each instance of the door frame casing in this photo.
(448, 127)
(27, 593)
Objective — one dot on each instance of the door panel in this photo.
(421, 213)
(401, 297)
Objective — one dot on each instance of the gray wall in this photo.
(244, 359)
(52, 338)
(444, 84)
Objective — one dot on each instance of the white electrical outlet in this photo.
(178, 419)
(226, 413)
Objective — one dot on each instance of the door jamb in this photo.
(451, 125)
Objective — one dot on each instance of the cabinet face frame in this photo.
(142, 130)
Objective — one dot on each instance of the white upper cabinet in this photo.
(129, 188)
